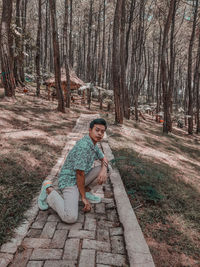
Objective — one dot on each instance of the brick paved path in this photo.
(95, 240)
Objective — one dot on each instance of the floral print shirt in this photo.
(81, 157)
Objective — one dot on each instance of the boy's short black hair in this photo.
(98, 121)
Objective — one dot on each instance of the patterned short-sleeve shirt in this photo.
(81, 157)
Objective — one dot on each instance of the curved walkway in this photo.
(107, 236)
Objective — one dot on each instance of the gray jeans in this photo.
(67, 206)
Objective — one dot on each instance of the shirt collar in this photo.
(89, 140)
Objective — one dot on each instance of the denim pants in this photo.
(66, 205)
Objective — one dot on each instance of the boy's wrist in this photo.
(83, 196)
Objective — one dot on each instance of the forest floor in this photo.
(161, 176)
(32, 136)
(160, 172)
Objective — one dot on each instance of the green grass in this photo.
(162, 196)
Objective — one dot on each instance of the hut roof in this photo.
(73, 79)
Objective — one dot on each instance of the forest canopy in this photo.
(140, 49)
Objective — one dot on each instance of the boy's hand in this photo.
(87, 204)
(102, 177)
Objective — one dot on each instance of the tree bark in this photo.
(133, 2)
(103, 44)
(17, 43)
(38, 48)
(166, 95)
(89, 53)
(196, 82)
(189, 76)
(46, 37)
(68, 93)
(61, 106)
(116, 64)
(5, 49)
(124, 89)
(158, 80)
(70, 35)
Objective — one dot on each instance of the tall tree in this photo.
(20, 33)
(61, 106)
(197, 81)
(68, 92)
(103, 44)
(166, 92)
(189, 74)
(18, 38)
(38, 48)
(158, 76)
(89, 42)
(130, 22)
(124, 89)
(97, 33)
(116, 67)
(23, 23)
(140, 56)
(71, 61)
(89, 53)
(46, 36)
(6, 50)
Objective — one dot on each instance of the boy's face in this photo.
(97, 132)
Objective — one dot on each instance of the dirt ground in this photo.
(33, 133)
(32, 136)
(163, 183)
(178, 149)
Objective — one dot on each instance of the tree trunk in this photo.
(103, 44)
(189, 82)
(24, 13)
(166, 95)
(17, 44)
(68, 93)
(38, 48)
(5, 49)
(70, 35)
(89, 53)
(116, 64)
(61, 106)
(197, 81)
(140, 55)
(124, 89)
(172, 64)
(158, 80)
(94, 62)
(129, 29)
(46, 37)
(108, 67)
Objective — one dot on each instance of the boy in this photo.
(76, 174)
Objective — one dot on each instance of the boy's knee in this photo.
(69, 219)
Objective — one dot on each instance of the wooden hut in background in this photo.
(75, 84)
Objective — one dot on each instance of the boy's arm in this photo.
(103, 173)
(80, 176)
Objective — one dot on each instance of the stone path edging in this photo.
(137, 248)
